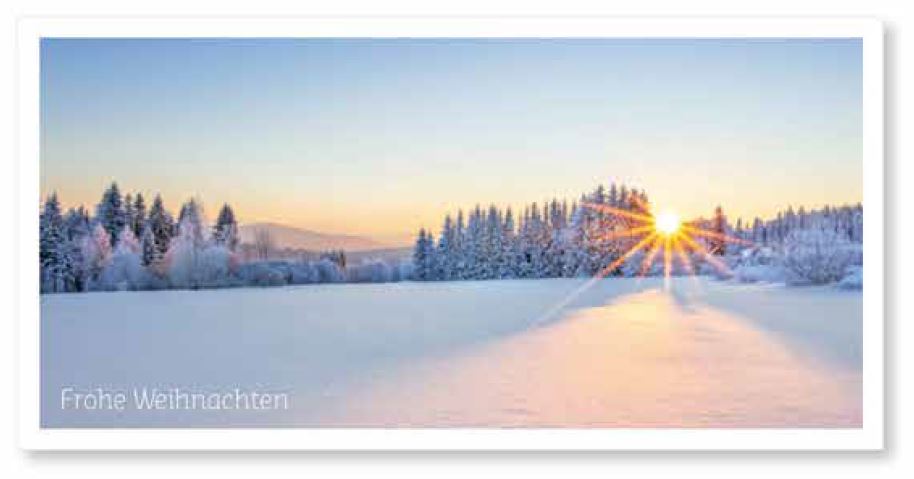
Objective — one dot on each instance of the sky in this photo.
(380, 137)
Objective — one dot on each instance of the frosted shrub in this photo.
(853, 278)
(261, 274)
(758, 264)
(303, 273)
(751, 273)
(190, 267)
(329, 272)
(704, 267)
(373, 271)
(96, 254)
(818, 256)
(124, 272)
(194, 263)
(405, 270)
(632, 266)
(213, 267)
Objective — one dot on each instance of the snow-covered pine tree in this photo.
(191, 219)
(717, 245)
(534, 242)
(553, 248)
(139, 215)
(128, 242)
(125, 269)
(129, 214)
(225, 232)
(162, 226)
(420, 257)
(76, 229)
(507, 267)
(446, 243)
(431, 255)
(491, 244)
(473, 244)
(613, 197)
(458, 250)
(51, 247)
(575, 262)
(624, 200)
(96, 254)
(110, 212)
(149, 255)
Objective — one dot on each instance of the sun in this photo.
(667, 223)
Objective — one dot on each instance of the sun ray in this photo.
(715, 235)
(683, 258)
(648, 260)
(718, 264)
(619, 212)
(627, 233)
(628, 254)
(593, 280)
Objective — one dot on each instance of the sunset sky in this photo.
(382, 136)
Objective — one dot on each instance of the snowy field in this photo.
(627, 353)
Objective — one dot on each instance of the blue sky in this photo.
(382, 136)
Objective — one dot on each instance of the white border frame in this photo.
(31, 436)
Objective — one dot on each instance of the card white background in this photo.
(899, 29)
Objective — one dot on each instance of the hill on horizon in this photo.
(298, 238)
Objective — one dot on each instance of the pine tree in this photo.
(139, 215)
(51, 244)
(190, 223)
(719, 226)
(110, 212)
(96, 252)
(506, 267)
(446, 253)
(76, 228)
(431, 258)
(149, 254)
(473, 244)
(459, 248)
(225, 232)
(575, 260)
(757, 231)
(613, 198)
(162, 227)
(128, 242)
(129, 214)
(421, 257)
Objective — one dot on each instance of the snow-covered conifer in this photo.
(96, 254)
(139, 215)
(110, 212)
(225, 232)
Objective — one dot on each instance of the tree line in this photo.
(556, 239)
(126, 242)
(548, 240)
(126, 246)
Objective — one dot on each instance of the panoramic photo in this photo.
(451, 232)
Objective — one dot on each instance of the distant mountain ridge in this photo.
(297, 238)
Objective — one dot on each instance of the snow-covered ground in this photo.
(626, 352)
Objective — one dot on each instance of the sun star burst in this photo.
(664, 233)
